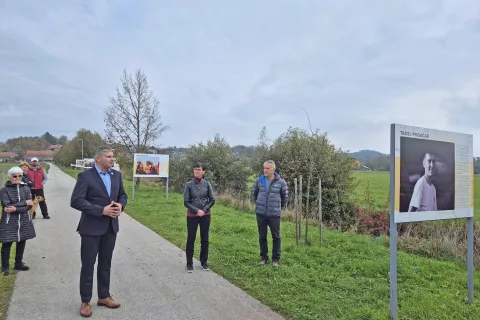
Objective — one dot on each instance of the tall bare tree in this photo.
(133, 117)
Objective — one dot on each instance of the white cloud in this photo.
(10, 113)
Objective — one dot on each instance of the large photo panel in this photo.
(433, 174)
(150, 165)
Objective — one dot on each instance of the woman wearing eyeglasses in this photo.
(15, 224)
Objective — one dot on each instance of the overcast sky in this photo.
(231, 67)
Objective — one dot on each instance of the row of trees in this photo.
(38, 143)
(311, 155)
(381, 163)
(51, 139)
(73, 149)
(133, 123)
(227, 172)
(295, 153)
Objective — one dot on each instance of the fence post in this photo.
(320, 213)
(296, 211)
(2, 177)
(307, 208)
(300, 207)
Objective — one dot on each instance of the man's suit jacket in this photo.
(90, 196)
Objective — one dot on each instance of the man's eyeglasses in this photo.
(15, 176)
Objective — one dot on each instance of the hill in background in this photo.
(367, 155)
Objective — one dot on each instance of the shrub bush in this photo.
(296, 153)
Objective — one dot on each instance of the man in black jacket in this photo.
(100, 196)
(270, 194)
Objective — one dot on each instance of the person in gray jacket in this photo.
(270, 194)
(198, 198)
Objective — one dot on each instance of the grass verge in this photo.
(347, 279)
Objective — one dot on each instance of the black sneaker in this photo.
(5, 271)
(189, 268)
(21, 267)
(46, 216)
(205, 266)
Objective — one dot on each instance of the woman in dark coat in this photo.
(198, 198)
(15, 224)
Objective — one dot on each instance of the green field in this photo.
(347, 279)
(379, 182)
(6, 283)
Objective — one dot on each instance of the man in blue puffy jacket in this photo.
(270, 193)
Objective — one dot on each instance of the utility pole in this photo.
(82, 147)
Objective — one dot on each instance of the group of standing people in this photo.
(100, 196)
(270, 194)
(25, 182)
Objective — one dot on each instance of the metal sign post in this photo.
(133, 188)
(393, 230)
(166, 189)
(470, 265)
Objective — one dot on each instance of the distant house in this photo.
(153, 150)
(54, 147)
(172, 151)
(46, 156)
(8, 156)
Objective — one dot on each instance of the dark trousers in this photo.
(91, 246)
(42, 204)
(274, 223)
(6, 247)
(192, 225)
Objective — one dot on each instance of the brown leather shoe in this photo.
(108, 302)
(86, 310)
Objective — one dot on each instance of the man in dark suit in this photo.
(100, 196)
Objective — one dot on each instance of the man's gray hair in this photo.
(102, 149)
(272, 163)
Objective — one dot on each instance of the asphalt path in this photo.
(148, 273)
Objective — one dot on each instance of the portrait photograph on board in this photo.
(427, 175)
(146, 165)
(150, 165)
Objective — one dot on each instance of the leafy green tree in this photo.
(381, 163)
(49, 138)
(67, 155)
(262, 152)
(26, 143)
(296, 153)
(226, 172)
(62, 140)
